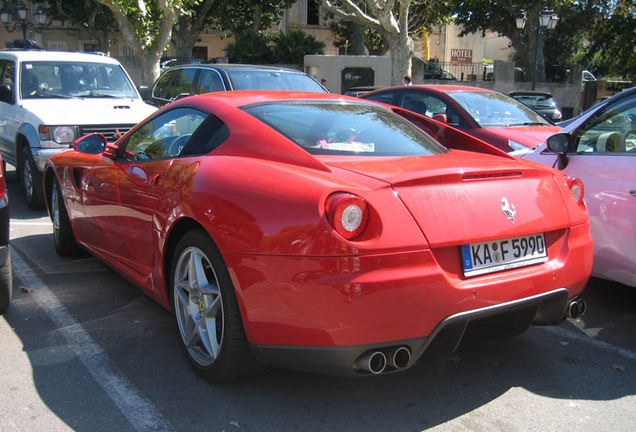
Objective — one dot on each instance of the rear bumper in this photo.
(543, 309)
(322, 313)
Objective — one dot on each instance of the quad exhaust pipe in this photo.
(379, 361)
(576, 308)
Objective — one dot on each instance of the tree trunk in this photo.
(150, 67)
(357, 46)
(400, 58)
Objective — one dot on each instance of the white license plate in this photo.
(498, 255)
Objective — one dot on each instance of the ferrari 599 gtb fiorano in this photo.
(321, 232)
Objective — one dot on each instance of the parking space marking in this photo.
(561, 332)
(30, 223)
(133, 405)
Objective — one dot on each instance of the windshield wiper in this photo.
(103, 95)
(51, 95)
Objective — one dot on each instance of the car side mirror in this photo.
(6, 93)
(442, 118)
(560, 143)
(144, 92)
(91, 144)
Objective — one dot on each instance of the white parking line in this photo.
(139, 411)
(30, 223)
(561, 332)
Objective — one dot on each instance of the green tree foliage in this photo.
(95, 18)
(284, 47)
(612, 36)
(240, 16)
(291, 47)
(250, 47)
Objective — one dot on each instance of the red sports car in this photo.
(321, 232)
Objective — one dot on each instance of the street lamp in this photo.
(19, 12)
(548, 20)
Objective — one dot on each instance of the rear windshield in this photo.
(491, 109)
(273, 80)
(336, 128)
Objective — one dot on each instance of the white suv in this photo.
(48, 99)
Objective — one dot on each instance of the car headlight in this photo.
(58, 134)
(516, 145)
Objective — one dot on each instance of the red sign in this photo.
(461, 55)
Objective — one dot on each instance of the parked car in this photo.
(188, 80)
(432, 71)
(6, 273)
(599, 147)
(49, 99)
(320, 232)
(485, 114)
(541, 102)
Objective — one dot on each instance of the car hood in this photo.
(88, 111)
(458, 197)
(530, 136)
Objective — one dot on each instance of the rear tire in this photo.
(6, 284)
(63, 237)
(30, 180)
(206, 311)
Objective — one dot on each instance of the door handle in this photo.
(157, 178)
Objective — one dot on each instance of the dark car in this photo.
(359, 91)
(541, 102)
(432, 71)
(6, 276)
(485, 114)
(187, 80)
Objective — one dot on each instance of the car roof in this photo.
(440, 88)
(235, 67)
(60, 56)
(248, 97)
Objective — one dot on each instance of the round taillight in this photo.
(577, 189)
(347, 214)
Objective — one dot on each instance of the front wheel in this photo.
(30, 180)
(206, 311)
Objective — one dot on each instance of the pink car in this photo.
(599, 147)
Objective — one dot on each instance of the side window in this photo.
(212, 133)
(164, 136)
(612, 130)
(7, 69)
(174, 84)
(209, 81)
(163, 84)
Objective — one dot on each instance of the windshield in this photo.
(336, 128)
(273, 80)
(70, 79)
(490, 109)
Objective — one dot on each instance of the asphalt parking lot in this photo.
(82, 349)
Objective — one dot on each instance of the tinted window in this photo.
(7, 69)
(209, 81)
(273, 80)
(43, 79)
(346, 129)
(429, 106)
(164, 136)
(357, 77)
(174, 84)
(385, 97)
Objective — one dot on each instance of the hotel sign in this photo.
(461, 55)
